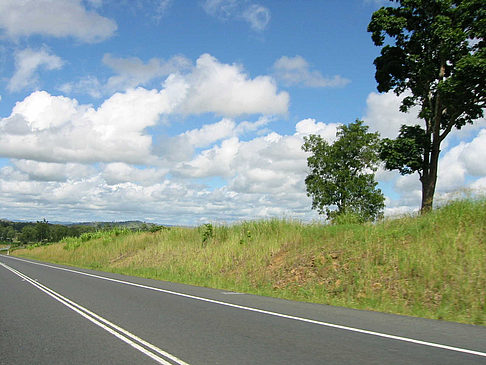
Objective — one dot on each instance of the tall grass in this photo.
(430, 266)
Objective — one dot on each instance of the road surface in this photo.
(54, 314)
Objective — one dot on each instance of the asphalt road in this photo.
(53, 314)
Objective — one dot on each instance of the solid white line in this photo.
(275, 314)
(101, 322)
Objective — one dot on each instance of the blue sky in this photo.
(184, 112)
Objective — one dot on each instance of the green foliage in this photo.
(156, 228)
(342, 173)
(207, 233)
(406, 152)
(7, 234)
(72, 243)
(435, 52)
(42, 230)
(28, 234)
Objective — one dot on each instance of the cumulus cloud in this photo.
(56, 18)
(50, 128)
(452, 172)
(27, 64)
(269, 163)
(208, 87)
(256, 15)
(471, 153)
(226, 90)
(311, 126)
(383, 114)
(208, 134)
(296, 71)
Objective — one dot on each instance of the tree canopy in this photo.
(434, 53)
(342, 174)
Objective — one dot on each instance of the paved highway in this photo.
(53, 314)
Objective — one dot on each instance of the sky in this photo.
(185, 112)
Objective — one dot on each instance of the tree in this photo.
(436, 56)
(342, 173)
(42, 230)
(28, 234)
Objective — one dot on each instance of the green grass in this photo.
(431, 266)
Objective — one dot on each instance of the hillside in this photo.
(430, 266)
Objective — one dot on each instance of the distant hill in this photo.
(125, 224)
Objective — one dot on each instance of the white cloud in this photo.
(45, 171)
(296, 71)
(132, 72)
(310, 126)
(57, 18)
(129, 73)
(27, 63)
(474, 154)
(208, 87)
(223, 9)
(452, 172)
(57, 129)
(88, 85)
(269, 164)
(479, 185)
(225, 90)
(212, 162)
(256, 15)
(119, 172)
(208, 134)
(50, 128)
(383, 114)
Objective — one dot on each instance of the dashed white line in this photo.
(275, 314)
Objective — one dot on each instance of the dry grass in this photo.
(431, 266)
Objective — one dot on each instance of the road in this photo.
(54, 314)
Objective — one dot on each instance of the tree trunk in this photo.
(429, 179)
(428, 190)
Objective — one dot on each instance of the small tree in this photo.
(436, 52)
(342, 173)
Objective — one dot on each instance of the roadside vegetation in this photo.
(42, 232)
(432, 265)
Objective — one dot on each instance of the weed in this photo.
(207, 233)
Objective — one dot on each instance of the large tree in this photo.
(433, 52)
(342, 174)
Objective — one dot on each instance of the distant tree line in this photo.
(19, 233)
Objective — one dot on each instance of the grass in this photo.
(431, 266)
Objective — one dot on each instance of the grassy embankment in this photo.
(430, 266)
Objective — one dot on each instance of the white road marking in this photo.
(122, 334)
(275, 314)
